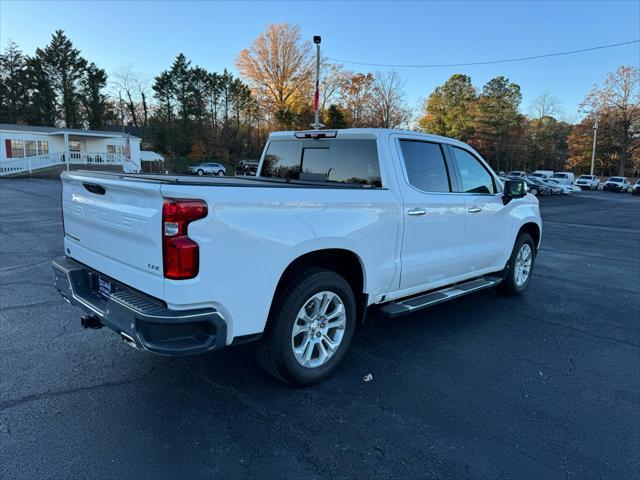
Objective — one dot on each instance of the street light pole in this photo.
(593, 150)
(316, 124)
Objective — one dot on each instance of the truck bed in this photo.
(216, 181)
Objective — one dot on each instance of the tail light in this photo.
(180, 254)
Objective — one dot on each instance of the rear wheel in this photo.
(310, 328)
(534, 191)
(520, 266)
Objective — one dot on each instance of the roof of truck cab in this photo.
(364, 133)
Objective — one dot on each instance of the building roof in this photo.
(149, 156)
(58, 131)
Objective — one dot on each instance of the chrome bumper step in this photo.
(412, 304)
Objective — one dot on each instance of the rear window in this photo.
(585, 177)
(338, 161)
(560, 175)
(615, 179)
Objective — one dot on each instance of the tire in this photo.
(534, 191)
(276, 347)
(200, 172)
(220, 173)
(510, 285)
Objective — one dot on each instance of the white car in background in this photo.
(588, 182)
(542, 174)
(517, 174)
(563, 187)
(617, 184)
(563, 177)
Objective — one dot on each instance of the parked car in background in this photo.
(588, 182)
(335, 222)
(536, 187)
(542, 174)
(635, 190)
(209, 168)
(247, 167)
(617, 184)
(564, 177)
(557, 187)
(517, 174)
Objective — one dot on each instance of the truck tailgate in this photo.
(113, 225)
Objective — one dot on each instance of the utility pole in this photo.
(593, 150)
(317, 125)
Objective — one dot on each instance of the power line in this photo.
(520, 59)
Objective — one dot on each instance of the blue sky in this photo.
(149, 35)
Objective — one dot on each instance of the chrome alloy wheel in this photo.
(523, 264)
(318, 329)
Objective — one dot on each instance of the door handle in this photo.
(474, 210)
(417, 211)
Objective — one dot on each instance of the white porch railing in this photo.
(29, 164)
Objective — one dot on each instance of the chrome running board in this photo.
(412, 304)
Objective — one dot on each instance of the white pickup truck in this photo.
(334, 222)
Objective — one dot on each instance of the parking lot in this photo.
(543, 386)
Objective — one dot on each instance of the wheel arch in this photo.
(532, 229)
(345, 262)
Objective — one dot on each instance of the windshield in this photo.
(615, 179)
(559, 175)
(515, 173)
(537, 175)
(585, 177)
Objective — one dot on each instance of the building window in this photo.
(74, 146)
(17, 149)
(43, 147)
(30, 148)
(114, 148)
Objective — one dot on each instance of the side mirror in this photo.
(513, 189)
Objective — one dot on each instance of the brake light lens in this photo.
(180, 254)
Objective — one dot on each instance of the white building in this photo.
(25, 148)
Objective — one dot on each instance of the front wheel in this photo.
(534, 191)
(200, 172)
(520, 266)
(310, 328)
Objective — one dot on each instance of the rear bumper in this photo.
(144, 319)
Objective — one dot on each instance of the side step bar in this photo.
(402, 307)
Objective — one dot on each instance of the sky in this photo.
(149, 35)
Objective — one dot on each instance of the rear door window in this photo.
(425, 164)
(338, 161)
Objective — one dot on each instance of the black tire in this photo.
(508, 285)
(200, 172)
(534, 191)
(275, 351)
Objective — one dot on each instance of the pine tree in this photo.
(93, 100)
(65, 68)
(13, 84)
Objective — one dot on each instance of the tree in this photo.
(278, 68)
(542, 129)
(388, 107)
(14, 84)
(336, 117)
(450, 109)
(42, 108)
(497, 117)
(355, 97)
(133, 88)
(198, 151)
(93, 100)
(65, 67)
(618, 100)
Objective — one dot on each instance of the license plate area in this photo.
(104, 287)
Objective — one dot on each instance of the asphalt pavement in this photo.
(542, 386)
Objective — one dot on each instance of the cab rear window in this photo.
(326, 161)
